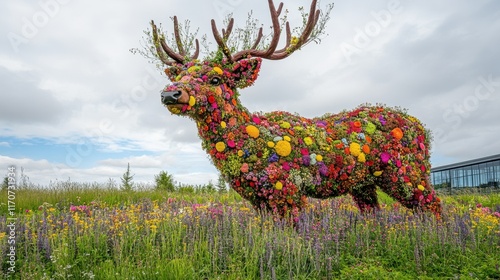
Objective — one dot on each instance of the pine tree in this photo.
(127, 183)
(221, 184)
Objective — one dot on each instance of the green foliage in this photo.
(198, 236)
(221, 184)
(165, 182)
(127, 178)
(195, 234)
(5, 183)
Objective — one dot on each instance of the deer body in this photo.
(276, 160)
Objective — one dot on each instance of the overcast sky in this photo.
(76, 104)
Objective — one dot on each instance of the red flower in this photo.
(211, 99)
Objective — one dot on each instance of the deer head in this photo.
(199, 87)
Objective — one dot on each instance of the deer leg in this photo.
(366, 198)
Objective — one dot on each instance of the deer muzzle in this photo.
(170, 97)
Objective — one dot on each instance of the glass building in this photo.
(480, 174)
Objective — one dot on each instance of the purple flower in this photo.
(321, 123)
(323, 170)
(274, 157)
(382, 120)
(306, 160)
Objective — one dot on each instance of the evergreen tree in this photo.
(221, 184)
(127, 183)
(165, 182)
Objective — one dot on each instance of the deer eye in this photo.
(215, 81)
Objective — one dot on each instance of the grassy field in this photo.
(75, 231)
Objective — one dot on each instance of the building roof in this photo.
(467, 163)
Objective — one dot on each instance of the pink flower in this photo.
(230, 143)
(256, 120)
(285, 166)
(244, 167)
(385, 157)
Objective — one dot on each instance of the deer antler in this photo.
(163, 50)
(271, 52)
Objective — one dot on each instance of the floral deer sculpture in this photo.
(278, 159)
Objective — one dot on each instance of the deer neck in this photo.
(222, 123)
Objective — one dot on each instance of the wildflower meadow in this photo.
(77, 231)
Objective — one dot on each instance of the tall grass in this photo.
(88, 233)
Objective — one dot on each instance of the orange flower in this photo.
(357, 124)
(366, 149)
(397, 133)
(368, 139)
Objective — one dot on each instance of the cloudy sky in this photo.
(76, 104)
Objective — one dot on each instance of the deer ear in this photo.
(246, 71)
(172, 73)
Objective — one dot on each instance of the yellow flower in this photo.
(308, 140)
(175, 110)
(194, 69)
(220, 146)
(420, 187)
(218, 70)
(287, 138)
(319, 157)
(270, 144)
(377, 173)
(240, 153)
(285, 125)
(252, 131)
(361, 157)
(283, 148)
(192, 101)
(355, 149)
(223, 124)
(278, 186)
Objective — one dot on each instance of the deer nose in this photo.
(170, 97)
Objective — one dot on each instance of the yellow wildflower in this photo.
(223, 124)
(270, 144)
(308, 140)
(377, 173)
(278, 186)
(420, 187)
